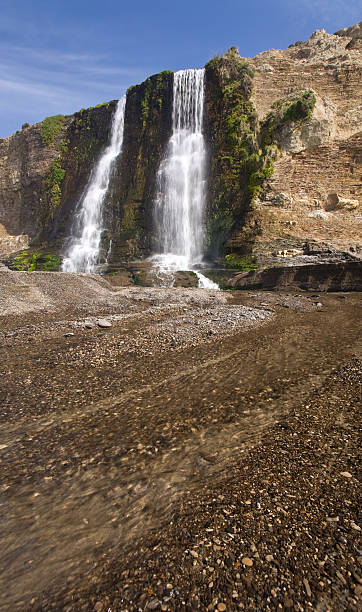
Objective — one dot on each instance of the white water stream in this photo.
(181, 183)
(84, 248)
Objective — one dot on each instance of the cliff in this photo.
(43, 171)
(314, 193)
(147, 127)
(284, 140)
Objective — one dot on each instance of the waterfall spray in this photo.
(181, 183)
(84, 248)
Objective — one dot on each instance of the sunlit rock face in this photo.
(285, 122)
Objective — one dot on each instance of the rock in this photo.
(307, 587)
(336, 202)
(346, 474)
(68, 334)
(88, 325)
(98, 607)
(221, 607)
(342, 276)
(314, 131)
(153, 604)
(269, 558)
(355, 527)
(318, 214)
(280, 200)
(104, 323)
(247, 561)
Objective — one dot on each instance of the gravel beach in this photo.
(177, 449)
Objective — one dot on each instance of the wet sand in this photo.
(200, 453)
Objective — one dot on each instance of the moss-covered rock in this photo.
(148, 121)
(239, 163)
(294, 109)
(50, 128)
(30, 260)
(81, 145)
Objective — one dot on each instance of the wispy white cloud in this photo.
(45, 81)
(329, 12)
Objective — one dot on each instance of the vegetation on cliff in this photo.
(240, 163)
(50, 128)
(30, 261)
(53, 182)
(293, 109)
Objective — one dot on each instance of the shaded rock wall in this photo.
(273, 173)
(41, 182)
(148, 123)
(345, 276)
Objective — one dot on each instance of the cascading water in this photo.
(181, 182)
(84, 249)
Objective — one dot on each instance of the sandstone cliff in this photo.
(43, 171)
(314, 193)
(284, 137)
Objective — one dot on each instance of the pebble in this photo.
(247, 561)
(104, 323)
(68, 334)
(269, 558)
(152, 605)
(346, 474)
(98, 607)
(221, 607)
(355, 527)
(307, 587)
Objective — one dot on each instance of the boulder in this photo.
(280, 200)
(345, 276)
(336, 202)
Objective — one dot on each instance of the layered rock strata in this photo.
(284, 141)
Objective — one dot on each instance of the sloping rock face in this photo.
(43, 171)
(319, 157)
(147, 128)
(344, 276)
(284, 137)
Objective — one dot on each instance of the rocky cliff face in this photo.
(147, 127)
(314, 193)
(284, 140)
(43, 171)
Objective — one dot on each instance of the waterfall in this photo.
(181, 183)
(84, 248)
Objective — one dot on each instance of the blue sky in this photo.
(57, 56)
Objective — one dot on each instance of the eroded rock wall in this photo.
(284, 139)
(147, 128)
(43, 171)
(319, 160)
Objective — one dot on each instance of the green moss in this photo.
(29, 261)
(129, 218)
(145, 102)
(53, 182)
(51, 126)
(300, 109)
(63, 147)
(26, 261)
(239, 262)
(294, 109)
(51, 263)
